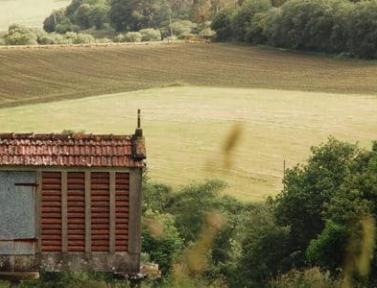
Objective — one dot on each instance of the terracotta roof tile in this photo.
(71, 150)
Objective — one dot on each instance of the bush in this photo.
(132, 37)
(44, 38)
(82, 38)
(77, 38)
(310, 278)
(20, 35)
(207, 33)
(160, 239)
(329, 247)
(119, 38)
(191, 204)
(264, 249)
(179, 28)
(150, 34)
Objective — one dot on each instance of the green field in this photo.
(185, 128)
(27, 12)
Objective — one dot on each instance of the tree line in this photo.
(129, 15)
(331, 26)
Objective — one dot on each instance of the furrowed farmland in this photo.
(48, 74)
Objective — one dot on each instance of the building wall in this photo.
(89, 219)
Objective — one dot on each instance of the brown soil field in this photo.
(39, 75)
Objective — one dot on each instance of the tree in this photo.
(245, 13)
(309, 188)
(222, 24)
(362, 29)
(99, 16)
(133, 15)
(56, 17)
(83, 16)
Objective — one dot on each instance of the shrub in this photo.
(264, 249)
(20, 35)
(132, 37)
(310, 278)
(77, 38)
(2, 41)
(329, 248)
(179, 28)
(207, 33)
(191, 204)
(44, 38)
(103, 40)
(160, 239)
(150, 34)
(119, 38)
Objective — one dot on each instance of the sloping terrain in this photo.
(186, 127)
(48, 74)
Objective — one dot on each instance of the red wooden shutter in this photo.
(51, 217)
(76, 211)
(121, 211)
(100, 197)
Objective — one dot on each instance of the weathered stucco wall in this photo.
(17, 206)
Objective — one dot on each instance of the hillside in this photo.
(29, 75)
(186, 127)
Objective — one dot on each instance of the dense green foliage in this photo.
(335, 26)
(79, 15)
(21, 35)
(138, 14)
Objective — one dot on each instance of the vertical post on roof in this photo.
(138, 119)
(138, 131)
(284, 168)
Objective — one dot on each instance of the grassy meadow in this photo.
(27, 12)
(185, 129)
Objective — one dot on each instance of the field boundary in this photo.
(95, 45)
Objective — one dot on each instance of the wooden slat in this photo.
(100, 211)
(64, 213)
(112, 212)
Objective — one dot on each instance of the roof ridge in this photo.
(59, 136)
